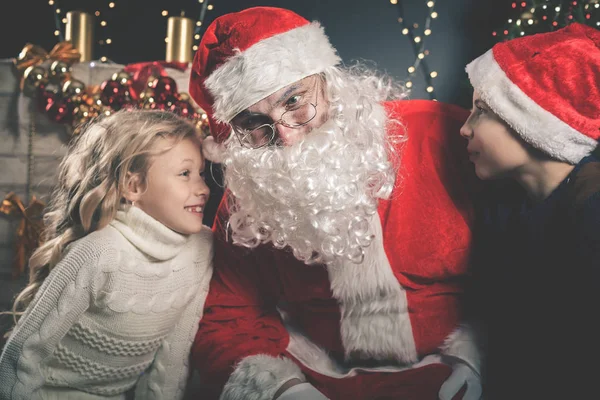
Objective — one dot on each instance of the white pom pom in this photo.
(212, 150)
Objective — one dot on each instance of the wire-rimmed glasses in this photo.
(296, 116)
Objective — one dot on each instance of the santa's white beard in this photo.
(316, 196)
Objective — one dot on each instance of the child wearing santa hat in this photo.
(533, 129)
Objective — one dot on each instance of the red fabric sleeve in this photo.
(240, 318)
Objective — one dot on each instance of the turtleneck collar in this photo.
(147, 234)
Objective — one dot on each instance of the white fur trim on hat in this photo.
(538, 127)
(259, 377)
(268, 66)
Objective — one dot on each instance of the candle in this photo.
(180, 35)
(79, 31)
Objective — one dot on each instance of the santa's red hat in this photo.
(246, 56)
(547, 88)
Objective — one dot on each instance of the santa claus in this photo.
(343, 240)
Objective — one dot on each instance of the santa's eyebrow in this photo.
(285, 94)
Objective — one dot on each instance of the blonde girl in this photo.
(118, 287)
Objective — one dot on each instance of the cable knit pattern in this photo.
(97, 371)
(110, 345)
(121, 309)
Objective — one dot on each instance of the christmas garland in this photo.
(48, 78)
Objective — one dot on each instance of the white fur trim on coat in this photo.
(375, 324)
(464, 344)
(259, 377)
(317, 359)
(268, 66)
(540, 128)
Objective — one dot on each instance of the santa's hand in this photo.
(302, 391)
(461, 374)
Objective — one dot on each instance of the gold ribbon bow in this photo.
(28, 232)
(35, 55)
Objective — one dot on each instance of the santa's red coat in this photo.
(335, 320)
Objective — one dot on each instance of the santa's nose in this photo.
(289, 136)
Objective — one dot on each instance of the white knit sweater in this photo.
(121, 309)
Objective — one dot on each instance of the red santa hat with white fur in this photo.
(547, 88)
(244, 57)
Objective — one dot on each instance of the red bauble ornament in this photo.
(114, 94)
(184, 109)
(47, 93)
(163, 88)
(60, 109)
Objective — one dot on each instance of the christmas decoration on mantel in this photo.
(67, 100)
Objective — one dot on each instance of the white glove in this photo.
(461, 374)
(302, 391)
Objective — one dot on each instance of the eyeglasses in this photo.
(262, 135)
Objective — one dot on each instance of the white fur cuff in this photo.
(259, 377)
(463, 344)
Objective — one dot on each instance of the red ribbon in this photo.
(143, 71)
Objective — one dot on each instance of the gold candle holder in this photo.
(79, 31)
(180, 36)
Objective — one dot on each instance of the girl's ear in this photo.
(134, 187)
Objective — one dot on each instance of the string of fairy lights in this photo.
(417, 38)
(534, 16)
(57, 26)
(103, 16)
(205, 7)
